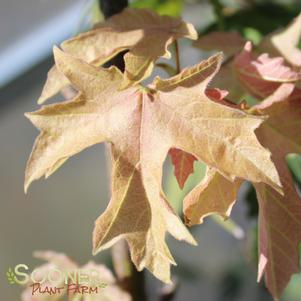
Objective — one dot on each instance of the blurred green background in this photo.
(58, 214)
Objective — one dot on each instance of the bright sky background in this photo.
(29, 29)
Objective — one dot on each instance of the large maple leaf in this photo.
(279, 215)
(143, 124)
(183, 162)
(144, 33)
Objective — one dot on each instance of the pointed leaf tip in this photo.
(59, 54)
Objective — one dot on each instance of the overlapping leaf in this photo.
(259, 76)
(144, 33)
(285, 43)
(262, 76)
(143, 124)
(230, 43)
(183, 165)
(213, 195)
(280, 225)
(280, 215)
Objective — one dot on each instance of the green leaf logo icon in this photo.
(10, 276)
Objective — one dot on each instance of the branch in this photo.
(177, 53)
(112, 7)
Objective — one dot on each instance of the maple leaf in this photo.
(60, 261)
(213, 195)
(143, 124)
(183, 165)
(216, 94)
(145, 34)
(229, 42)
(259, 76)
(279, 215)
(182, 161)
(226, 79)
(262, 76)
(285, 43)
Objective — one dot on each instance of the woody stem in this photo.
(177, 53)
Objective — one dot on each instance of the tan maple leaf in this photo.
(230, 43)
(213, 195)
(183, 162)
(279, 215)
(143, 124)
(145, 34)
(285, 43)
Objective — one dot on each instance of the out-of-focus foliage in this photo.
(163, 7)
(253, 19)
(294, 163)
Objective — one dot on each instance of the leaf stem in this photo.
(178, 60)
